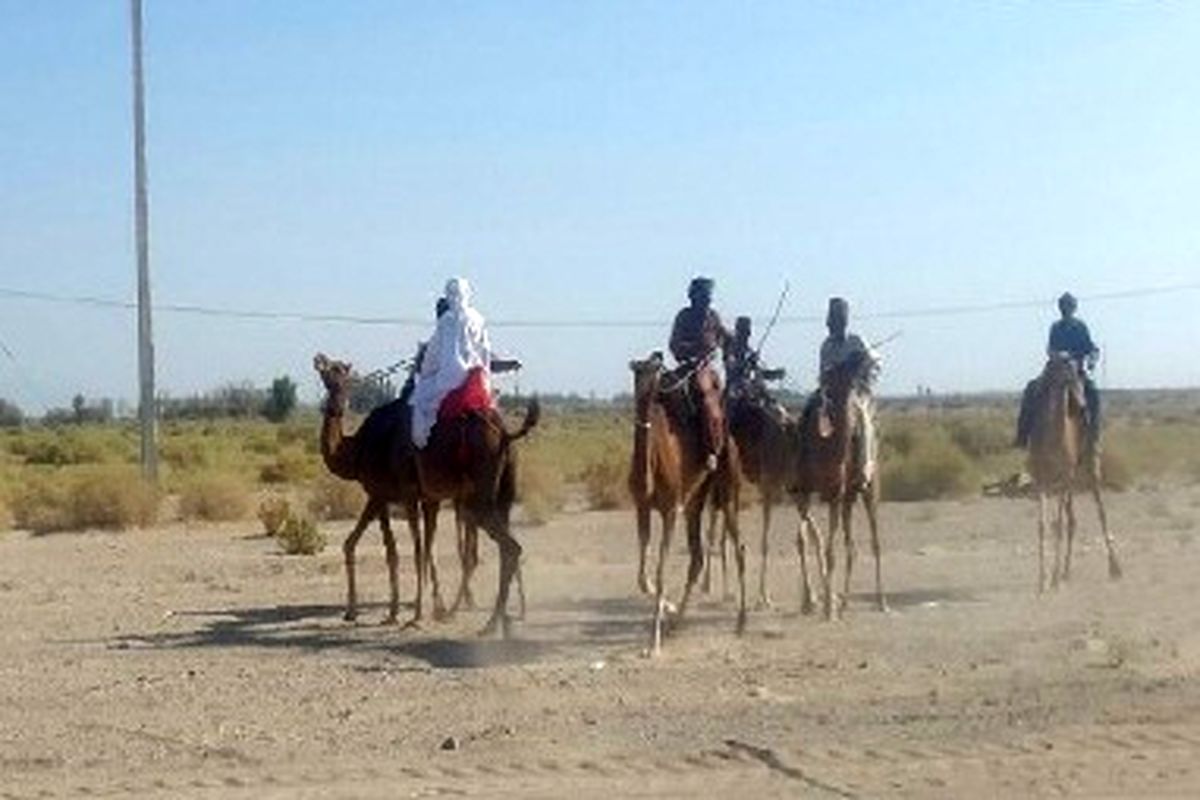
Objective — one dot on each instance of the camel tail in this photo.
(533, 415)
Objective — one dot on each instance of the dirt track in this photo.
(198, 662)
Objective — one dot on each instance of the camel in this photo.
(1059, 456)
(478, 475)
(764, 434)
(371, 457)
(827, 468)
(667, 474)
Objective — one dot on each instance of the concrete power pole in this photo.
(148, 411)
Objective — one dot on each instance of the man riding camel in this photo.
(745, 376)
(1068, 335)
(455, 365)
(695, 338)
(838, 347)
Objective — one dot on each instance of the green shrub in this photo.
(273, 512)
(933, 468)
(605, 481)
(333, 498)
(300, 536)
(214, 497)
(64, 446)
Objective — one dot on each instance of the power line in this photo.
(422, 322)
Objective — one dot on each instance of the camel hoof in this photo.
(389, 620)
(645, 587)
(1114, 570)
(807, 607)
(763, 604)
(882, 607)
(741, 623)
(413, 624)
(442, 614)
(350, 616)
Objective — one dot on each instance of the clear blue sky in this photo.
(584, 160)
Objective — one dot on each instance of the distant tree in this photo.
(368, 395)
(11, 415)
(281, 399)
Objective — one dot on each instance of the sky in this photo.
(580, 162)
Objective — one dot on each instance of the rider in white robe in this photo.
(459, 344)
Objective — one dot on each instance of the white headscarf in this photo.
(459, 344)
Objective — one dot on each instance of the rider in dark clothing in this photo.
(1068, 335)
(696, 337)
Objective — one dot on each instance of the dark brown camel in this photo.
(826, 467)
(372, 457)
(468, 461)
(765, 435)
(668, 473)
(1059, 458)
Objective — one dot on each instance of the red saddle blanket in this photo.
(473, 395)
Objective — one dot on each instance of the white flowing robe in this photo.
(459, 344)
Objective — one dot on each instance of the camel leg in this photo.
(806, 595)
(510, 559)
(643, 532)
(851, 552)
(830, 601)
(414, 528)
(369, 512)
(739, 555)
(467, 536)
(1041, 542)
(393, 565)
(764, 598)
(694, 522)
(1069, 504)
(872, 509)
(1110, 543)
(1056, 567)
(520, 579)
(706, 583)
(660, 602)
(429, 511)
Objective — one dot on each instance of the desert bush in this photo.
(540, 488)
(186, 453)
(933, 468)
(96, 497)
(214, 497)
(74, 445)
(289, 466)
(333, 498)
(301, 536)
(605, 481)
(273, 512)
(6, 517)
(981, 436)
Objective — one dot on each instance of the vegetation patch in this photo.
(335, 499)
(110, 497)
(301, 536)
(273, 512)
(215, 498)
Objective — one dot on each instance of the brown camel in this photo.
(372, 457)
(765, 435)
(468, 461)
(1059, 457)
(668, 473)
(826, 467)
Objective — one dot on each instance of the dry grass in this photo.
(332, 498)
(111, 497)
(273, 512)
(541, 489)
(215, 498)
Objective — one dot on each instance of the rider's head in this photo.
(700, 292)
(443, 305)
(741, 329)
(458, 294)
(1067, 304)
(838, 316)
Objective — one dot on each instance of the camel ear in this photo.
(633, 364)
(320, 362)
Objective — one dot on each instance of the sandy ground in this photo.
(198, 662)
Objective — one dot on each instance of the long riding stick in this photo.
(774, 317)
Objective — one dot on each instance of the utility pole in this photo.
(148, 411)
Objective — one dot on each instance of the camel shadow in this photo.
(914, 598)
(317, 628)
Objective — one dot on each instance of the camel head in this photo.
(1061, 374)
(647, 375)
(335, 375)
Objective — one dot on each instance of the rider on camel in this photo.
(695, 338)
